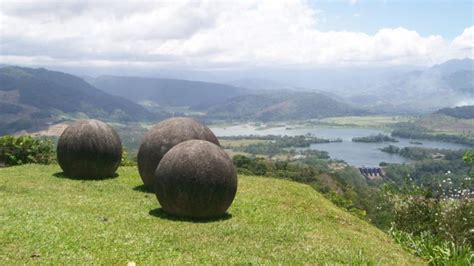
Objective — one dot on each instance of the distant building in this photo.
(372, 172)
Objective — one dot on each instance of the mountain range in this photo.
(248, 99)
(31, 98)
(280, 105)
(444, 85)
(382, 89)
(166, 92)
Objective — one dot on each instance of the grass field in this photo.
(447, 124)
(49, 219)
(236, 143)
(367, 121)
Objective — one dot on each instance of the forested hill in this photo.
(281, 106)
(167, 92)
(466, 112)
(30, 97)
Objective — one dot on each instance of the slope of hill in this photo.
(167, 92)
(49, 219)
(31, 97)
(281, 106)
(260, 84)
(466, 112)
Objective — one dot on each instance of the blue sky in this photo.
(446, 18)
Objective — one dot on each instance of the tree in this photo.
(469, 159)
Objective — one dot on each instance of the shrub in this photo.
(25, 149)
(469, 159)
(126, 160)
(252, 166)
(447, 217)
(417, 214)
(456, 222)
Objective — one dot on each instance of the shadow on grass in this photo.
(62, 175)
(160, 213)
(143, 188)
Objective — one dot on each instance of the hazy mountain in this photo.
(461, 81)
(443, 85)
(260, 84)
(454, 65)
(166, 92)
(32, 97)
(281, 106)
(402, 89)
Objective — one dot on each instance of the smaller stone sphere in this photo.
(164, 136)
(89, 149)
(197, 179)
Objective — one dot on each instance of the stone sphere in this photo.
(164, 136)
(196, 178)
(89, 149)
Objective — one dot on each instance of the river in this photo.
(354, 153)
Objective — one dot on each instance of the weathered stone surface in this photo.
(162, 137)
(196, 178)
(89, 149)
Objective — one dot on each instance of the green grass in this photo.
(366, 121)
(47, 218)
(237, 143)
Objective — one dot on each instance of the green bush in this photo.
(249, 165)
(25, 149)
(446, 217)
(469, 159)
(417, 214)
(127, 160)
(456, 222)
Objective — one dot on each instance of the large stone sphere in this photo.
(89, 149)
(196, 178)
(164, 136)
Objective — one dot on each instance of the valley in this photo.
(203, 132)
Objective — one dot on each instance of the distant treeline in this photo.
(466, 112)
(407, 130)
(435, 170)
(297, 141)
(374, 138)
(277, 144)
(421, 153)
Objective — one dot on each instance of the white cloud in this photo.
(203, 34)
(353, 2)
(464, 43)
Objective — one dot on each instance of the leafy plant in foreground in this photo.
(25, 149)
(433, 249)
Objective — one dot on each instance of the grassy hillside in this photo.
(47, 218)
(30, 97)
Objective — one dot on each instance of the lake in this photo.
(354, 153)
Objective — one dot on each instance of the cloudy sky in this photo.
(234, 34)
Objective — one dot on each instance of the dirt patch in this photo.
(52, 131)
